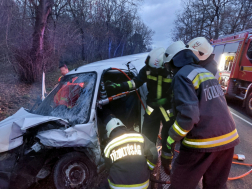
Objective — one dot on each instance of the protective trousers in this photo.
(151, 126)
(189, 167)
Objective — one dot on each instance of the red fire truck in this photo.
(233, 53)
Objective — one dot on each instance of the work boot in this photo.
(166, 159)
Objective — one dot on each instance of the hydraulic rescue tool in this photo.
(105, 99)
(239, 157)
(114, 97)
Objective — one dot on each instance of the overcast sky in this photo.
(159, 15)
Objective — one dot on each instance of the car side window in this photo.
(249, 52)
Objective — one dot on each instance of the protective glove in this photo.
(166, 157)
(113, 88)
(169, 143)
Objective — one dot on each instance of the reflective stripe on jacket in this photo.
(202, 116)
(166, 113)
(158, 89)
(211, 65)
(129, 157)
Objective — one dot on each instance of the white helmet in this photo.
(112, 124)
(155, 58)
(173, 49)
(204, 48)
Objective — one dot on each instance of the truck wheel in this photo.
(249, 104)
(73, 170)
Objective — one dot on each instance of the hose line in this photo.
(130, 80)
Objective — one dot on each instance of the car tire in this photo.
(73, 170)
(249, 104)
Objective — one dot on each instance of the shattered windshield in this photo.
(71, 99)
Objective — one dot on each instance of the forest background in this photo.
(39, 35)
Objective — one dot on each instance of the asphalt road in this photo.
(244, 127)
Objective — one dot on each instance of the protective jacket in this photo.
(158, 85)
(60, 78)
(129, 156)
(202, 116)
(211, 65)
(68, 94)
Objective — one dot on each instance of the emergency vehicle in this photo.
(233, 53)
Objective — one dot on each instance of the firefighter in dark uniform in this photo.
(158, 100)
(129, 155)
(203, 124)
(204, 54)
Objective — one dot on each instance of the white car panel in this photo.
(12, 128)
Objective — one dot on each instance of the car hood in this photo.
(13, 127)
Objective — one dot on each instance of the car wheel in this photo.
(73, 170)
(249, 104)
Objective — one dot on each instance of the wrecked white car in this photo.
(63, 136)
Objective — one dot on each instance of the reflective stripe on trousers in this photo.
(132, 186)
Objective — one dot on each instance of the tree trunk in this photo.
(109, 47)
(83, 56)
(118, 47)
(216, 33)
(42, 11)
(123, 49)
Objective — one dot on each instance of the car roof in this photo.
(136, 60)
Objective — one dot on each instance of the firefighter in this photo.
(63, 70)
(204, 54)
(158, 101)
(204, 124)
(129, 155)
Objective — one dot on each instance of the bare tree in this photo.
(212, 18)
(36, 34)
